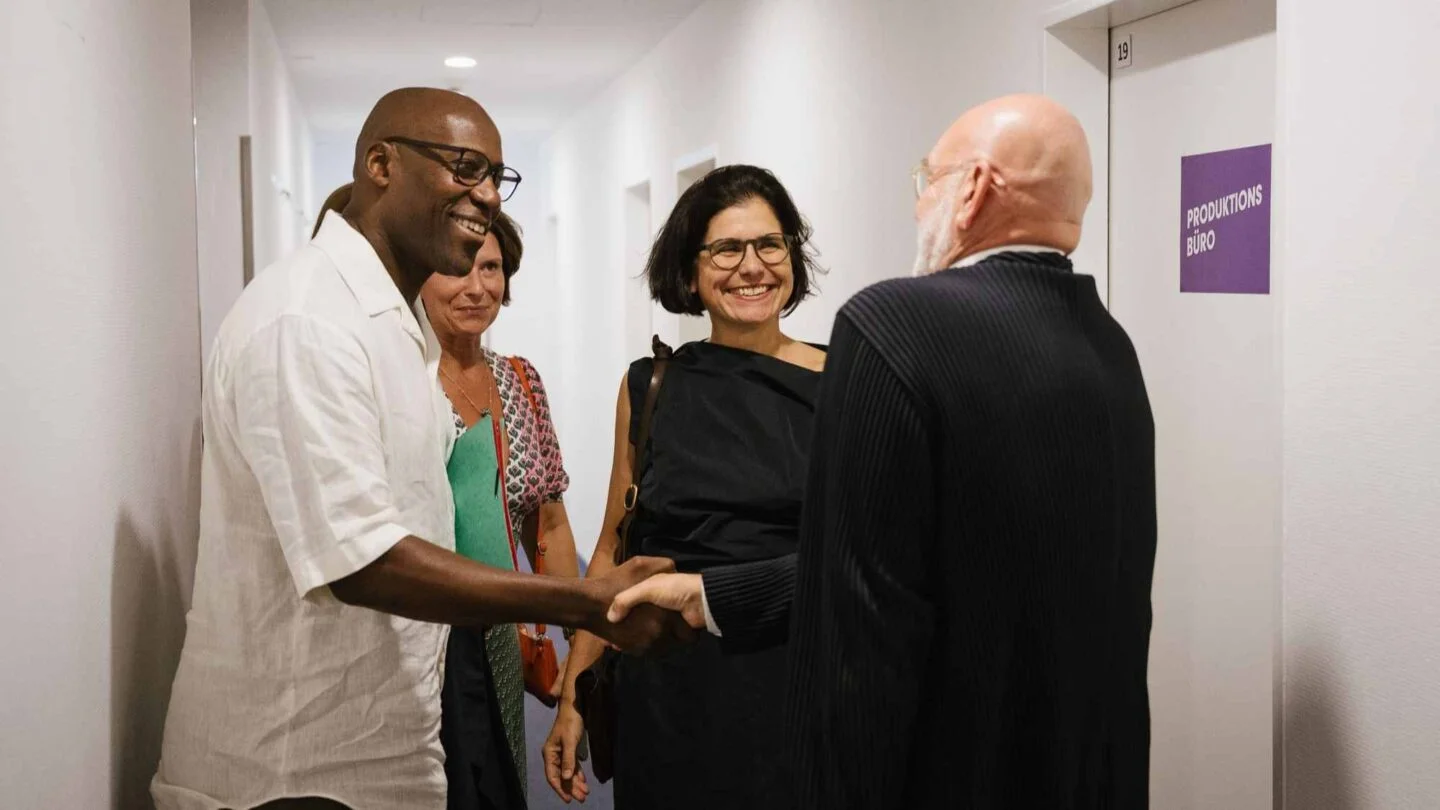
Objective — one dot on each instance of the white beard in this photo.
(932, 243)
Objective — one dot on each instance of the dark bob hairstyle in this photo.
(507, 234)
(672, 264)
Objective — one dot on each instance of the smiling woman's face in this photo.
(753, 291)
(467, 305)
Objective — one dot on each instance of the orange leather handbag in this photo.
(537, 650)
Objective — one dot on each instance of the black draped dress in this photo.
(722, 482)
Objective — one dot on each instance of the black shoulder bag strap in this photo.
(662, 353)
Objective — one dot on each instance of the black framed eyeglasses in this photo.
(727, 254)
(470, 168)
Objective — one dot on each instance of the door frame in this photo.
(677, 326)
(1075, 71)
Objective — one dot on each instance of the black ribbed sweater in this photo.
(971, 598)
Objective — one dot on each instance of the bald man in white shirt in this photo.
(326, 575)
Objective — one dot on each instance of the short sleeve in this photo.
(555, 481)
(309, 426)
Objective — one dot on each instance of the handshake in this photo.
(644, 604)
(640, 606)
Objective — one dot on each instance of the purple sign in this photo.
(1225, 221)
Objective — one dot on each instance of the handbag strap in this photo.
(540, 548)
(662, 353)
(496, 429)
(539, 535)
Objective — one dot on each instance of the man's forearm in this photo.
(419, 580)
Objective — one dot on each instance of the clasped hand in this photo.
(679, 593)
(649, 606)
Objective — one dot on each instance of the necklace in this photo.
(493, 410)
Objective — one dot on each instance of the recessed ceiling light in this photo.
(460, 62)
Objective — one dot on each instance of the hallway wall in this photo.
(242, 87)
(840, 98)
(281, 139)
(221, 56)
(99, 393)
(1361, 280)
(527, 327)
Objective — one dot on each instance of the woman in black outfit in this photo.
(721, 483)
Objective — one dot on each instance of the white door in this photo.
(1201, 79)
(692, 327)
(639, 234)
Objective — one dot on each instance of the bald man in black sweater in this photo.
(971, 597)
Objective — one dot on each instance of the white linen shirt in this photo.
(326, 439)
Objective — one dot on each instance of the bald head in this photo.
(1013, 171)
(422, 113)
(415, 195)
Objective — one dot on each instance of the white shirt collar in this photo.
(365, 274)
(976, 258)
(428, 337)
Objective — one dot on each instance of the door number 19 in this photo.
(1123, 52)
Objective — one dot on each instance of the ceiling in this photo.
(537, 59)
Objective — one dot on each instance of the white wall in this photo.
(99, 393)
(841, 98)
(222, 114)
(1357, 167)
(332, 162)
(527, 326)
(281, 144)
(242, 87)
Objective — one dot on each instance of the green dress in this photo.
(482, 533)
